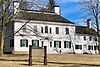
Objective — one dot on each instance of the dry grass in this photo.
(55, 60)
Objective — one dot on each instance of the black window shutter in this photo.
(20, 43)
(54, 43)
(38, 43)
(26, 43)
(69, 44)
(64, 44)
(59, 44)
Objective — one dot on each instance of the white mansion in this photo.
(48, 29)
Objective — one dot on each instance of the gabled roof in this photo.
(41, 16)
(85, 30)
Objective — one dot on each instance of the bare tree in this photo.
(92, 9)
(6, 15)
(51, 5)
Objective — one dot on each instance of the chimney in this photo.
(57, 10)
(89, 23)
(16, 6)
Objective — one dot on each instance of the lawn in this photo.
(54, 60)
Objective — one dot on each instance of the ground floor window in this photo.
(67, 44)
(78, 47)
(90, 47)
(23, 43)
(12, 43)
(50, 44)
(35, 43)
(57, 44)
(96, 47)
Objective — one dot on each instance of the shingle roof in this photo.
(85, 30)
(40, 16)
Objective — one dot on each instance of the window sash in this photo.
(46, 29)
(78, 47)
(57, 44)
(84, 37)
(50, 44)
(90, 47)
(35, 43)
(57, 30)
(12, 43)
(67, 44)
(67, 31)
(23, 43)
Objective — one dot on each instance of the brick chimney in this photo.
(89, 23)
(57, 10)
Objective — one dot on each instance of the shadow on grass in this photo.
(32, 64)
(79, 64)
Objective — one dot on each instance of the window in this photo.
(12, 43)
(90, 47)
(96, 47)
(41, 29)
(24, 29)
(84, 37)
(57, 30)
(46, 29)
(67, 31)
(78, 47)
(90, 38)
(23, 43)
(50, 44)
(50, 31)
(35, 43)
(35, 28)
(95, 39)
(67, 44)
(57, 44)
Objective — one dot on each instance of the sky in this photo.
(70, 9)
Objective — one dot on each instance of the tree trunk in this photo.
(2, 37)
(97, 24)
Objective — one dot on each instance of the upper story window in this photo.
(35, 28)
(57, 30)
(90, 38)
(67, 31)
(50, 31)
(46, 29)
(23, 43)
(84, 37)
(41, 29)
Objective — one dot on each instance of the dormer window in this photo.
(24, 29)
(35, 28)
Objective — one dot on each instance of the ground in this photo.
(54, 60)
